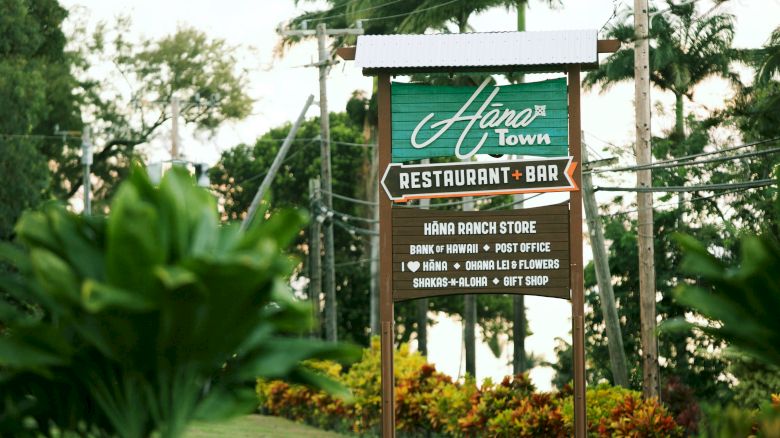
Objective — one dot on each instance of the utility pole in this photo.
(470, 316)
(86, 160)
(422, 303)
(269, 177)
(315, 269)
(617, 354)
(175, 128)
(323, 65)
(374, 263)
(650, 378)
(518, 301)
(331, 327)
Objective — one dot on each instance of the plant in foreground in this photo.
(150, 318)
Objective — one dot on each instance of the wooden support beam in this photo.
(346, 53)
(607, 46)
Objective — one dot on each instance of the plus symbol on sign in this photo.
(517, 174)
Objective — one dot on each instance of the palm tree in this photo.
(685, 49)
(770, 61)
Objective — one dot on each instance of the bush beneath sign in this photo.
(430, 403)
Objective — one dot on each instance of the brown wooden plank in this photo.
(607, 46)
(402, 212)
(416, 239)
(422, 220)
(542, 228)
(560, 275)
(559, 254)
(346, 53)
(553, 292)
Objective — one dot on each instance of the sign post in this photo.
(386, 317)
(575, 251)
(525, 251)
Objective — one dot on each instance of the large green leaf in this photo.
(154, 316)
(739, 301)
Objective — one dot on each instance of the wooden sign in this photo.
(444, 121)
(418, 181)
(424, 121)
(439, 252)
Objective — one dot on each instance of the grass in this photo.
(257, 426)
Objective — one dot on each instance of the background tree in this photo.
(128, 106)
(755, 112)
(685, 49)
(36, 94)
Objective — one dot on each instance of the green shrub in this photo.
(732, 421)
(150, 318)
(429, 403)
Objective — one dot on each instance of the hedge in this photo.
(432, 404)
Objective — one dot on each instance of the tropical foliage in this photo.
(429, 403)
(129, 103)
(36, 91)
(150, 318)
(685, 49)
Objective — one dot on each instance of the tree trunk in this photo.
(518, 334)
(469, 333)
(679, 116)
(679, 136)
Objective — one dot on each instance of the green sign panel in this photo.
(445, 121)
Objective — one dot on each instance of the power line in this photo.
(595, 152)
(362, 145)
(347, 215)
(449, 204)
(262, 175)
(520, 201)
(615, 7)
(416, 11)
(677, 189)
(344, 14)
(347, 198)
(662, 164)
(280, 140)
(356, 262)
(676, 203)
(353, 229)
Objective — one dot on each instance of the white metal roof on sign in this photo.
(477, 49)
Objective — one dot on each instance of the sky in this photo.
(280, 86)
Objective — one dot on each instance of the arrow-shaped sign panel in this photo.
(419, 181)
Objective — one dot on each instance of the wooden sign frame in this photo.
(386, 303)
